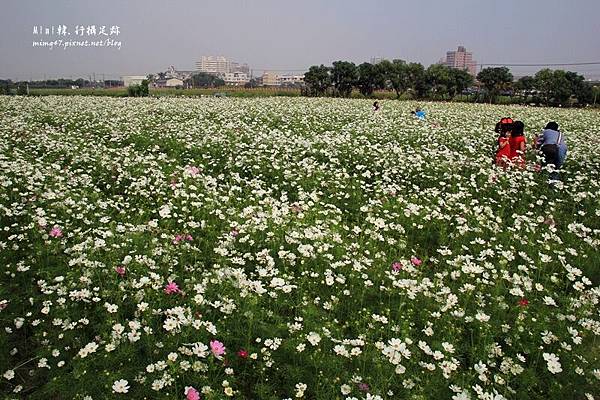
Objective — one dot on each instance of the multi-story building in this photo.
(236, 78)
(272, 79)
(269, 79)
(285, 80)
(215, 65)
(461, 59)
(238, 67)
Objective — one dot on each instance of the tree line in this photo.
(439, 82)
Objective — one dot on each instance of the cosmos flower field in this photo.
(288, 248)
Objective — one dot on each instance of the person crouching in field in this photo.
(518, 144)
(553, 146)
(419, 113)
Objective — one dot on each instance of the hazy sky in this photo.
(296, 34)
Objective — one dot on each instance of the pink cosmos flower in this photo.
(171, 288)
(217, 348)
(56, 232)
(181, 237)
(191, 393)
(396, 266)
(415, 261)
(193, 171)
(364, 387)
(120, 270)
(178, 238)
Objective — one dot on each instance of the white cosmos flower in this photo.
(552, 362)
(120, 386)
(165, 211)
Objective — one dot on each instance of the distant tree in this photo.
(252, 83)
(580, 89)
(22, 88)
(138, 90)
(416, 79)
(5, 86)
(439, 79)
(202, 79)
(344, 76)
(133, 90)
(382, 69)
(144, 92)
(367, 78)
(525, 86)
(554, 86)
(317, 80)
(494, 80)
(460, 80)
(398, 76)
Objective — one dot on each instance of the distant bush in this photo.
(22, 89)
(138, 90)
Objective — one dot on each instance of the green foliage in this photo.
(344, 77)
(22, 88)
(553, 85)
(396, 74)
(494, 80)
(299, 212)
(367, 78)
(417, 79)
(317, 80)
(459, 81)
(525, 86)
(252, 83)
(5, 87)
(138, 90)
(204, 80)
(439, 79)
(580, 89)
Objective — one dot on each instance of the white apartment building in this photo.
(269, 79)
(216, 65)
(236, 78)
(272, 79)
(289, 79)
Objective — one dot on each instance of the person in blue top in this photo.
(551, 142)
(418, 113)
